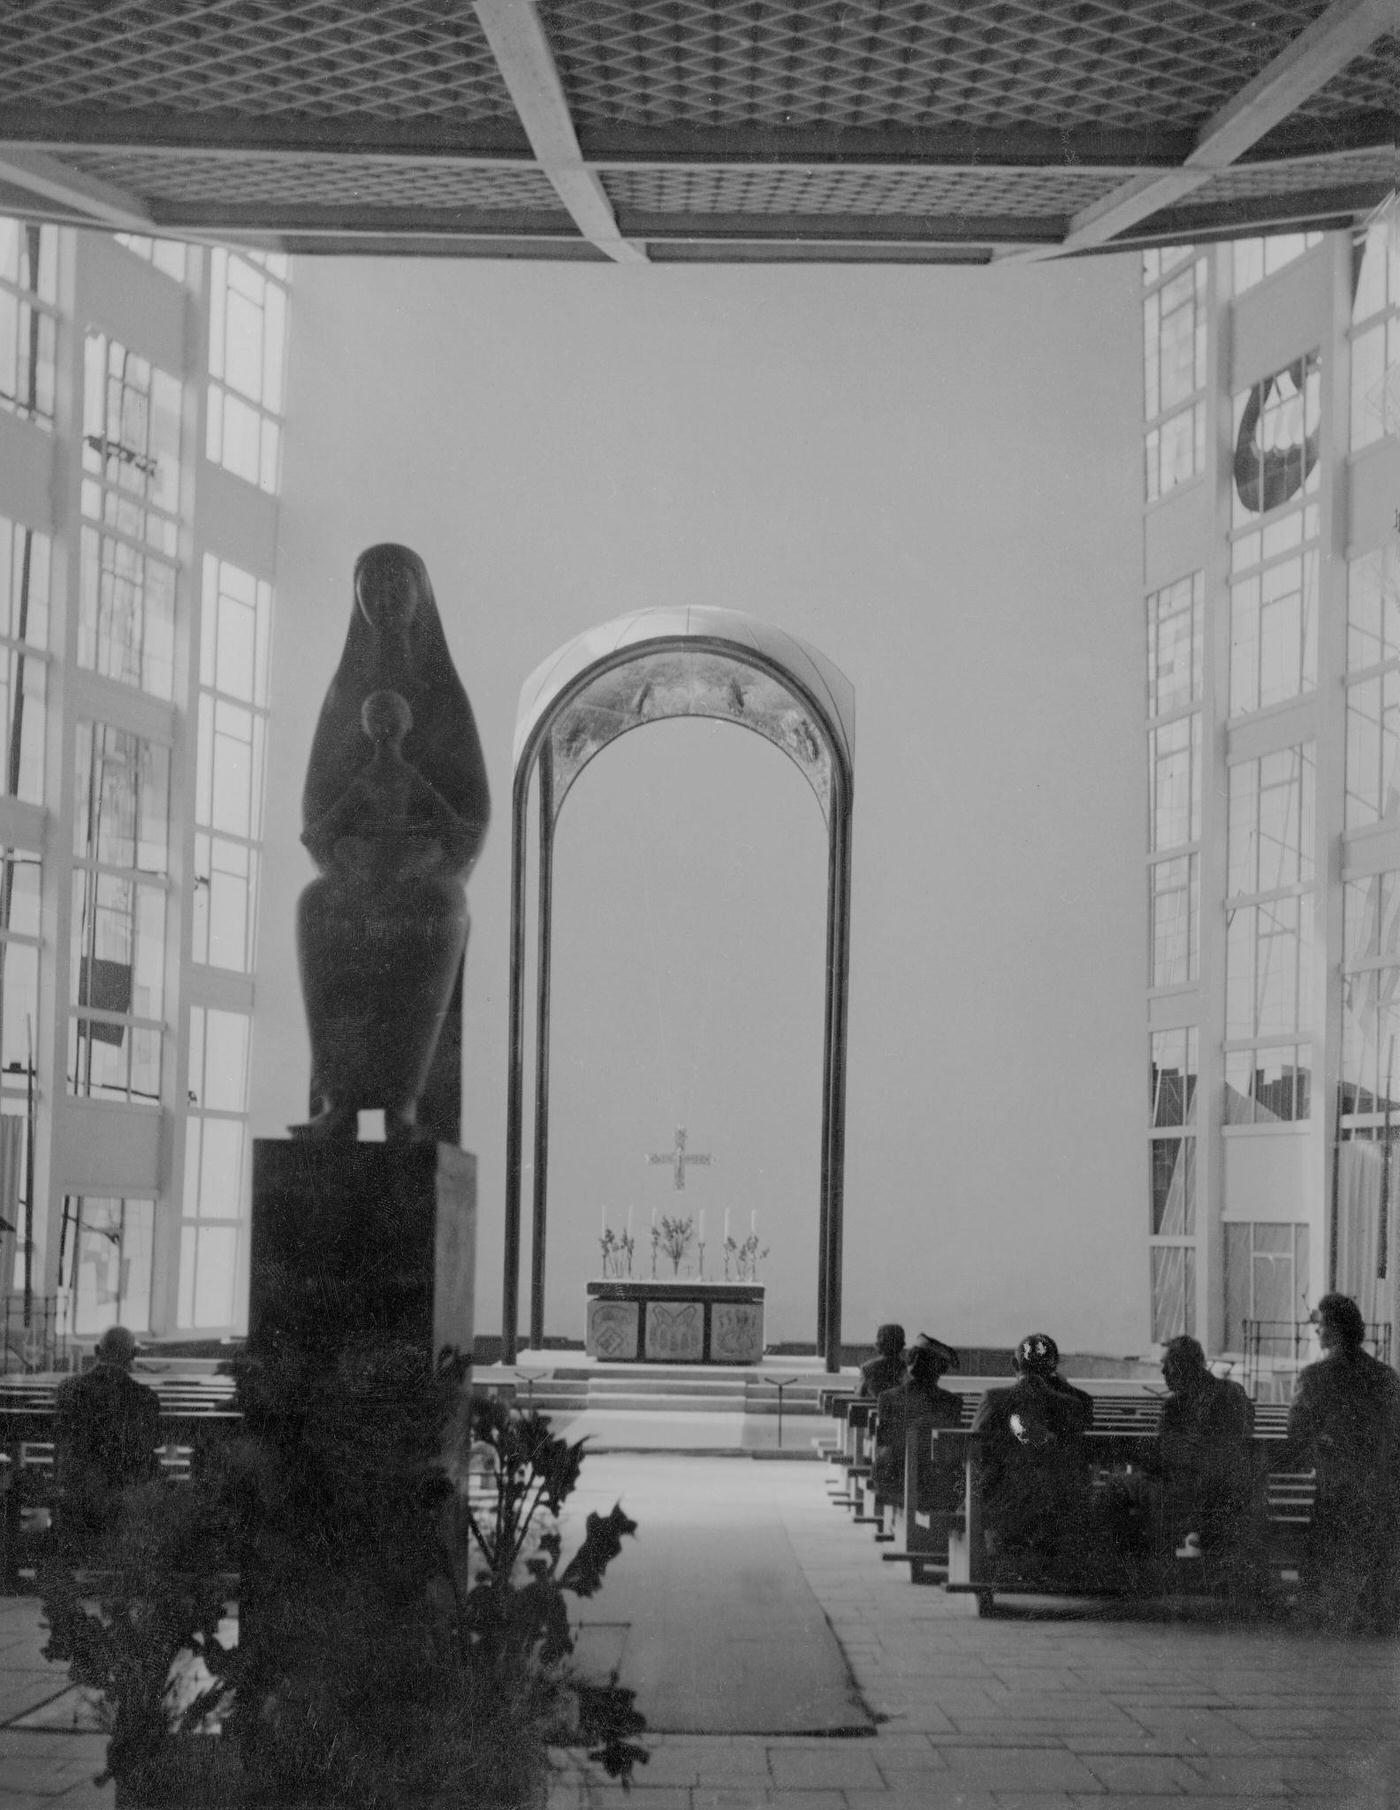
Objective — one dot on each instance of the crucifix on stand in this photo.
(678, 1158)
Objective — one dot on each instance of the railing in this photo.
(1276, 1350)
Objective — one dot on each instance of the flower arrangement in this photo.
(676, 1237)
(743, 1258)
(617, 1249)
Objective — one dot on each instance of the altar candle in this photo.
(629, 1222)
(753, 1224)
(653, 1219)
(726, 1225)
(702, 1225)
(603, 1210)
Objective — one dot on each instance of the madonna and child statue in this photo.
(394, 815)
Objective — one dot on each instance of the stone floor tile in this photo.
(1141, 1772)
(802, 1798)
(830, 1766)
(1264, 1774)
(1029, 1769)
(731, 1797)
(45, 1773)
(929, 1795)
(613, 1797)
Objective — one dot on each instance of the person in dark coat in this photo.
(1203, 1467)
(1034, 1461)
(1345, 1424)
(106, 1435)
(886, 1369)
(917, 1399)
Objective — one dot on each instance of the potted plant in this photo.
(436, 1670)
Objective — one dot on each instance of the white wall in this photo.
(934, 476)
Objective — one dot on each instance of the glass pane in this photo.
(1173, 1292)
(1173, 1077)
(1174, 1186)
(215, 1275)
(226, 1062)
(19, 1006)
(221, 1170)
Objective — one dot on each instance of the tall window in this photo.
(131, 498)
(1266, 1280)
(1274, 543)
(24, 637)
(169, 256)
(1173, 1150)
(1270, 844)
(19, 1021)
(216, 1168)
(122, 791)
(1174, 367)
(1375, 333)
(234, 651)
(1256, 259)
(109, 1244)
(1370, 993)
(1373, 687)
(28, 318)
(247, 338)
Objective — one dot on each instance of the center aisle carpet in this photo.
(706, 1614)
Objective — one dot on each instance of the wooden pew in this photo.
(929, 1508)
(854, 1459)
(1286, 1502)
(27, 1497)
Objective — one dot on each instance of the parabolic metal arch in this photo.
(640, 669)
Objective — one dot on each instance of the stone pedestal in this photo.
(361, 1244)
(361, 1276)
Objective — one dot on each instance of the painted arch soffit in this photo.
(658, 664)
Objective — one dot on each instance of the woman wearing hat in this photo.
(917, 1399)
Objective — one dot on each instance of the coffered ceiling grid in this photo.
(721, 129)
(1370, 83)
(242, 180)
(1306, 175)
(993, 63)
(391, 59)
(835, 191)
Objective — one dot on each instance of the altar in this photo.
(680, 1321)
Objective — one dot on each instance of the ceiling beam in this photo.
(620, 146)
(1318, 53)
(527, 66)
(53, 182)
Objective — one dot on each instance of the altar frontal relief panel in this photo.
(686, 948)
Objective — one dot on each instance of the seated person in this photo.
(1345, 1425)
(106, 1435)
(886, 1369)
(1034, 1462)
(1203, 1462)
(917, 1399)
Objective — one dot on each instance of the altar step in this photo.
(657, 1389)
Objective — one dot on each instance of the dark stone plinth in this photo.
(361, 1276)
(361, 1244)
